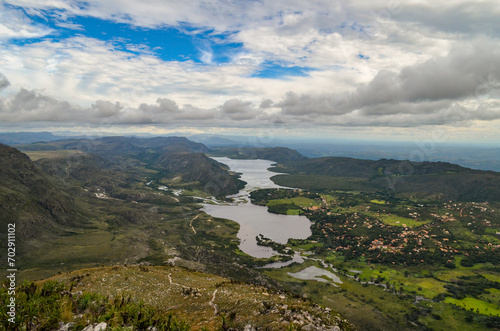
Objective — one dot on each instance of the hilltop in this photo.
(277, 154)
(443, 180)
(33, 199)
(181, 162)
(194, 298)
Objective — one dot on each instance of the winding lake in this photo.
(253, 219)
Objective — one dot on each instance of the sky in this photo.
(369, 70)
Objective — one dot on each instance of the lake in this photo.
(253, 219)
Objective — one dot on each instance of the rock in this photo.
(77, 294)
(88, 328)
(248, 327)
(66, 327)
(101, 327)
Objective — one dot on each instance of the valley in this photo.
(400, 257)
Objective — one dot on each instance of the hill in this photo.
(439, 179)
(169, 157)
(277, 154)
(197, 167)
(17, 138)
(142, 296)
(33, 200)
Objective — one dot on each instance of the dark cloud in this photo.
(418, 95)
(238, 110)
(267, 103)
(103, 109)
(4, 82)
(477, 17)
(460, 87)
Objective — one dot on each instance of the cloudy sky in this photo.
(388, 69)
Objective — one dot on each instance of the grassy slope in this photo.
(199, 298)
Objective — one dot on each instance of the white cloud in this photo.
(378, 63)
(15, 25)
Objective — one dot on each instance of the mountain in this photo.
(171, 157)
(441, 179)
(32, 199)
(277, 154)
(197, 167)
(17, 138)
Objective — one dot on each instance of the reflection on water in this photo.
(255, 220)
(317, 274)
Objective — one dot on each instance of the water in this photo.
(317, 274)
(253, 219)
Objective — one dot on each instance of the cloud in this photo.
(458, 88)
(15, 25)
(238, 110)
(4, 82)
(425, 63)
(28, 106)
(421, 94)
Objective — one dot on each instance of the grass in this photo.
(43, 306)
(476, 305)
(37, 155)
(378, 202)
(329, 198)
(313, 182)
(298, 201)
(193, 296)
(399, 221)
(422, 285)
(493, 278)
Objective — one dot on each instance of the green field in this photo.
(479, 306)
(38, 155)
(400, 221)
(298, 201)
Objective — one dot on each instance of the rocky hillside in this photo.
(33, 199)
(197, 167)
(202, 300)
(106, 159)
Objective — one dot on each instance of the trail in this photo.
(191, 223)
(172, 283)
(212, 304)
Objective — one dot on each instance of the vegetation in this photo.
(168, 298)
(45, 306)
(426, 179)
(277, 154)
(408, 256)
(407, 249)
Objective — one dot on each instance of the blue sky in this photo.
(339, 69)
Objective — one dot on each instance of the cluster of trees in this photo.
(470, 286)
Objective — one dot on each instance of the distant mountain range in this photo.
(277, 154)
(482, 157)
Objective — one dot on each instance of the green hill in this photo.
(98, 160)
(439, 179)
(278, 154)
(33, 200)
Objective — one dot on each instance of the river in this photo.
(253, 219)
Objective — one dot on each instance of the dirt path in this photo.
(191, 223)
(212, 304)
(172, 283)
